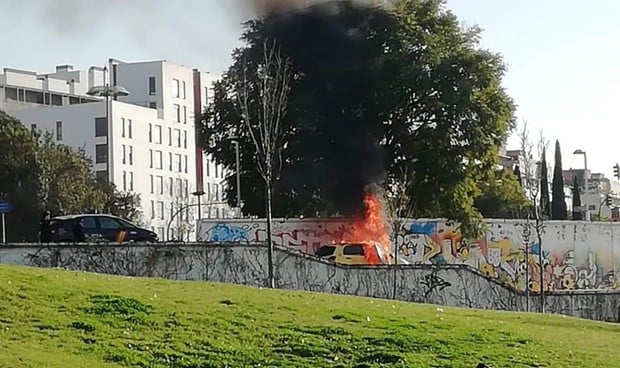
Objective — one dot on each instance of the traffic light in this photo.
(608, 200)
(617, 171)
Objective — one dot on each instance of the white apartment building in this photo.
(145, 142)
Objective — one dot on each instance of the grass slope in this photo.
(51, 318)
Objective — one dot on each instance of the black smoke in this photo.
(332, 47)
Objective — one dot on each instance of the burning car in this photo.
(353, 253)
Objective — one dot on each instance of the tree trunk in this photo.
(272, 283)
(395, 228)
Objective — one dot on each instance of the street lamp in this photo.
(106, 91)
(199, 194)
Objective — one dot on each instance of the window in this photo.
(131, 155)
(160, 185)
(153, 105)
(89, 223)
(10, 94)
(72, 100)
(123, 128)
(216, 167)
(177, 159)
(56, 100)
(185, 159)
(160, 207)
(101, 153)
(170, 161)
(59, 130)
(353, 250)
(177, 113)
(175, 88)
(326, 251)
(158, 134)
(101, 127)
(109, 223)
(206, 96)
(183, 90)
(159, 160)
(209, 192)
(177, 137)
(179, 187)
(207, 166)
(124, 154)
(101, 175)
(170, 136)
(185, 139)
(129, 128)
(152, 210)
(33, 128)
(151, 158)
(152, 185)
(152, 86)
(184, 114)
(131, 181)
(150, 133)
(186, 187)
(124, 181)
(216, 192)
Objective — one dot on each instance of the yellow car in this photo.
(352, 254)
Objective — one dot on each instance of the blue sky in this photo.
(562, 55)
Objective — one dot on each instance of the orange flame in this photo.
(371, 229)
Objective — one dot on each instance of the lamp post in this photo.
(199, 194)
(106, 90)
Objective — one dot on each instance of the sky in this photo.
(562, 59)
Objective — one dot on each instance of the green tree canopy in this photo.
(503, 197)
(39, 174)
(375, 91)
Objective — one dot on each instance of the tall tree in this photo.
(577, 213)
(262, 107)
(19, 179)
(544, 187)
(38, 174)
(558, 204)
(375, 92)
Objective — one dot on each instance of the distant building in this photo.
(147, 143)
(22, 90)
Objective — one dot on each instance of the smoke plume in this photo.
(330, 42)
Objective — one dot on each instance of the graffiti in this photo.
(574, 255)
(226, 233)
(432, 282)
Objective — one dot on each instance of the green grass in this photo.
(51, 318)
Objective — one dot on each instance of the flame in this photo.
(371, 228)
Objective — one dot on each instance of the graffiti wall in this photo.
(457, 286)
(575, 255)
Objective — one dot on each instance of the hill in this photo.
(52, 318)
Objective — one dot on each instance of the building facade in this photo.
(145, 142)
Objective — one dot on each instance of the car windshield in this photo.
(353, 250)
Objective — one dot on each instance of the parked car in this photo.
(99, 228)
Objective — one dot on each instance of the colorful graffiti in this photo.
(574, 255)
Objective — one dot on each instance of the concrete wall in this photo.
(451, 285)
(575, 255)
